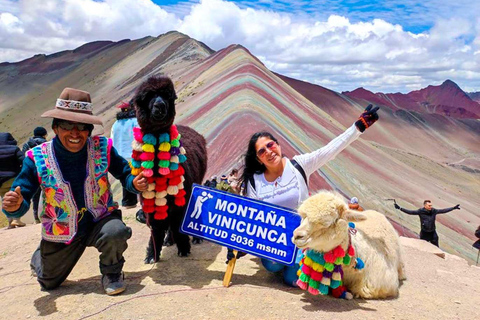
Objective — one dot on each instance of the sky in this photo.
(383, 46)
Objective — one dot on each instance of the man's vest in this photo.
(60, 212)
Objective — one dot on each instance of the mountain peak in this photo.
(450, 84)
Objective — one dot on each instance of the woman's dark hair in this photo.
(56, 121)
(251, 165)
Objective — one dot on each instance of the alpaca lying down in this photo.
(373, 242)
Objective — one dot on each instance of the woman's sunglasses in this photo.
(67, 125)
(272, 145)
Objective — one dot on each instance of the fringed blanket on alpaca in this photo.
(345, 259)
(171, 157)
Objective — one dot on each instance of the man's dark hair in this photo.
(426, 201)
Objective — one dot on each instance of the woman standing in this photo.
(275, 179)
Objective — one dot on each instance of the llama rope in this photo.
(320, 271)
(170, 182)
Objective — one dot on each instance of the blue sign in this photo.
(248, 225)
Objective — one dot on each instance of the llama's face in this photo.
(155, 105)
(324, 224)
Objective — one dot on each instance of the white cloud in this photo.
(333, 51)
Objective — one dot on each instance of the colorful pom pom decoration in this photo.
(170, 154)
(322, 272)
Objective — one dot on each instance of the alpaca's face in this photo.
(322, 226)
(155, 105)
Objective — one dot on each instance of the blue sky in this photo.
(386, 46)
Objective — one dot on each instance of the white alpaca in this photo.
(324, 226)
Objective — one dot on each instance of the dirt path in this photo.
(192, 287)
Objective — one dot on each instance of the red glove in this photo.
(367, 118)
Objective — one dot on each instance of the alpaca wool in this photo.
(169, 180)
(320, 271)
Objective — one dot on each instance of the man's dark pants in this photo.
(53, 261)
(431, 237)
(128, 198)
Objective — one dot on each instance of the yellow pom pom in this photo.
(136, 171)
(308, 261)
(164, 146)
(161, 194)
(148, 148)
(148, 194)
(161, 202)
(318, 267)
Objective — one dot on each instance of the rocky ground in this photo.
(436, 288)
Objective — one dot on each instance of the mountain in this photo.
(446, 99)
(475, 96)
(227, 95)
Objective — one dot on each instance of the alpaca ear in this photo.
(352, 215)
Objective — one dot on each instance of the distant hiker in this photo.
(224, 186)
(39, 137)
(273, 178)
(213, 182)
(233, 180)
(427, 216)
(353, 204)
(207, 183)
(122, 137)
(11, 159)
(78, 210)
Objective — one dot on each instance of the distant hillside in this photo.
(446, 99)
(414, 152)
(475, 96)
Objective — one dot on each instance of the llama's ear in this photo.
(352, 215)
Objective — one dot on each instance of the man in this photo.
(427, 216)
(354, 205)
(223, 185)
(79, 210)
(39, 137)
(11, 158)
(122, 137)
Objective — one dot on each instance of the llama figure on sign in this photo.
(171, 157)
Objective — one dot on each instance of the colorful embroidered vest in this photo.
(60, 212)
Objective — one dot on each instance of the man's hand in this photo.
(457, 207)
(397, 206)
(140, 182)
(367, 118)
(12, 200)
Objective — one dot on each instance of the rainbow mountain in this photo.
(227, 95)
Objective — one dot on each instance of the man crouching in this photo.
(78, 207)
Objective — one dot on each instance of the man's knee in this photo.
(116, 232)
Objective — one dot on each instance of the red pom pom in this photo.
(338, 252)
(174, 181)
(181, 193)
(162, 209)
(148, 209)
(316, 276)
(149, 202)
(307, 270)
(160, 215)
(161, 180)
(160, 187)
(329, 257)
(180, 171)
(351, 251)
(180, 202)
(164, 155)
(151, 180)
(173, 132)
(337, 293)
(136, 155)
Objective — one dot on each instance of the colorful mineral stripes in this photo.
(170, 174)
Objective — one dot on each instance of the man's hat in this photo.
(74, 105)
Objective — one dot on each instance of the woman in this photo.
(270, 177)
